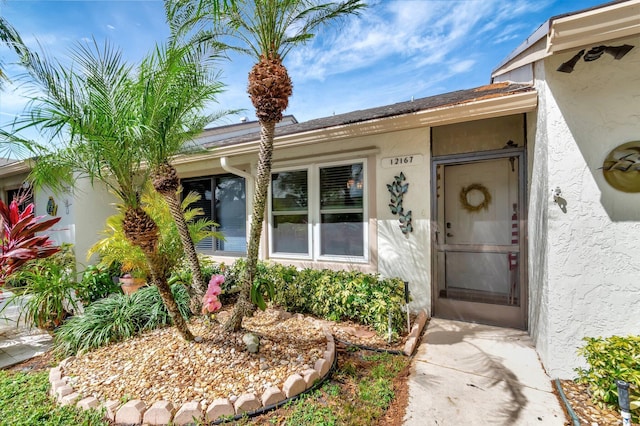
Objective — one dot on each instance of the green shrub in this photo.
(97, 283)
(610, 359)
(334, 295)
(209, 268)
(117, 318)
(49, 289)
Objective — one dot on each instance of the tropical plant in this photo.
(96, 111)
(183, 75)
(18, 239)
(10, 37)
(10, 146)
(115, 249)
(266, 30)
(117, 318)
(610, 359)
(96, 283)
(49, 290)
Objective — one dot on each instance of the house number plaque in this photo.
(402, 160)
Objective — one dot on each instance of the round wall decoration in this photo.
(621, 168)
(471, 205)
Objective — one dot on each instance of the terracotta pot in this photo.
(131, 285)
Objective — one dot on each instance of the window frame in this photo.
(285, 255)
(315, 212)
(213, 179)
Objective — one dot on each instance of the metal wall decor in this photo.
(621, 168)
(397, 189)
(464, 197)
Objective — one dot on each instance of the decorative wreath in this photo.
(484, 204)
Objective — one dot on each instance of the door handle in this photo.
(449, 234)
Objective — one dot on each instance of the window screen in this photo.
(289, 207)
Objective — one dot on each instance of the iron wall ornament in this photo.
(397, 189)
(464, 200)
(621, 168)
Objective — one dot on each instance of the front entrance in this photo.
(478, 238)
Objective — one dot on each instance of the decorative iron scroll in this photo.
(397, 189)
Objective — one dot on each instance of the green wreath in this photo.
(482, 205)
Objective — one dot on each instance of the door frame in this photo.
(491, 314)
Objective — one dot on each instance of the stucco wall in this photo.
(83, 210)
(406, 256)
(593, 263)
(64, 231)
(537, 223)
(92, 206)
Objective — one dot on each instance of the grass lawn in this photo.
(24, 402)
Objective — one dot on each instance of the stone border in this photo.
(416, 331)
(163, 412)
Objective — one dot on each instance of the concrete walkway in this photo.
(470, 374)
(18, 342)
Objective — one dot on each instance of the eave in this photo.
(594, 26)
(481, 108)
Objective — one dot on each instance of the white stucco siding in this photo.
(406, 256)
(92, 206)
(538, 191)
(65, 230)
(593, 261)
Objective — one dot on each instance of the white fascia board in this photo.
(594, 26)
(534, 53)
(18, 167)
(468, 111)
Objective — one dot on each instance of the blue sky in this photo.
(394, 51)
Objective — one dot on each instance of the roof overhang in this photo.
(481, 108)
(580, 29)
(611, 22)
(15, 168)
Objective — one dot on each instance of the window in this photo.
(223, 200)
(319, 212)
(24, 195)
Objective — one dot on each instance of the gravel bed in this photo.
(587, 412)
(159, 365)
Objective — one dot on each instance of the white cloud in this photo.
(111, 27)
(421, 33)
(462, 66)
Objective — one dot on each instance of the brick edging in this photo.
(162, 412)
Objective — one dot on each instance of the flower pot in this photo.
(131, 285)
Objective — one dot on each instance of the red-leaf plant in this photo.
(19, 242)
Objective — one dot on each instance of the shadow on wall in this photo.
(599, 101)
(407, 257)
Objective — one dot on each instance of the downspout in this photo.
(249, 181)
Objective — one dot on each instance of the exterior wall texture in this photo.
(592, 287)
(406, 256)
(539, 195)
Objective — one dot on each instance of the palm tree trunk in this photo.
(198, 285)
(140, 229)
(159, 277)
(244, 306)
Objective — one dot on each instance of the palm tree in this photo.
(266, 30)
(93, 109)
(10, 37)
(9, 145)
(177, 84)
